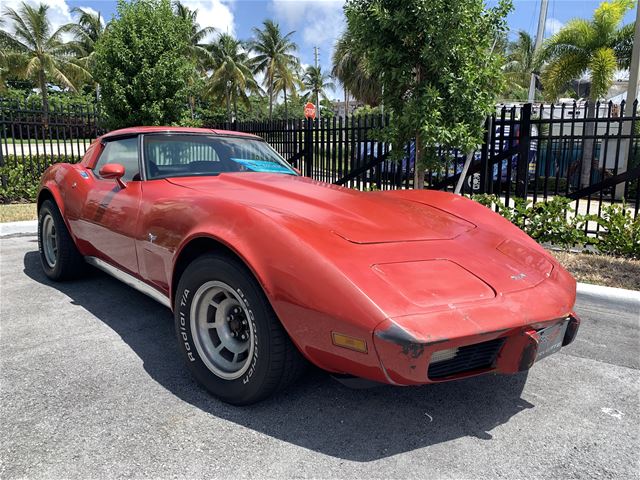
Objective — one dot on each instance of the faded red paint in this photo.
(409, 271)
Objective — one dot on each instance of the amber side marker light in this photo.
(352, 343)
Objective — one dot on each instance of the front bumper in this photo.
(407, 357)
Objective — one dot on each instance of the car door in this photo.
(110, 212)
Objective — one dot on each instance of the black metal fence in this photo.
(589, 153)
(33, 138)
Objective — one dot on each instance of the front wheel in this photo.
(60, 258)
(232, 340)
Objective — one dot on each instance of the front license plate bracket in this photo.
(550, 339)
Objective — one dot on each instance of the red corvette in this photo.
(265, 270)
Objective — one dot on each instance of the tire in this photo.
(59, 255)
(219, 304)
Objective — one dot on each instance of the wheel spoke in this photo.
(227, 353)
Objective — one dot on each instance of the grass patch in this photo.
(601, 269)
(16, 212)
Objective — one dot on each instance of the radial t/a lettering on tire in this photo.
(232, 340)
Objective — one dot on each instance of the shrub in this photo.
(622, 233)
(21, 178)
(553, 222)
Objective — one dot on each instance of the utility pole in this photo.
(634, 69)
(542, 19)
(632, 95)
(316, 55)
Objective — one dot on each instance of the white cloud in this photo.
(213, 13)
(59, 11)
(319, 22)
(552, 26)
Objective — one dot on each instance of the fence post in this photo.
(524, 145)
(485, 171)
(308, 148)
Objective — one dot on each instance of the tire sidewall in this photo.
(48, 208)
(246, 388)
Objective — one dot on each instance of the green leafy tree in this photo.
(35, 52)
(232, 79)
(597, 46)
(141, 66)
(349, 67)
(438, 68)
(274, 55)
(316, 82)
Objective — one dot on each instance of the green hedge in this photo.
(21, 176)
(555, 222)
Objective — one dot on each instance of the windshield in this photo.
(197, 155)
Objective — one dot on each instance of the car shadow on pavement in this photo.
(316, 413)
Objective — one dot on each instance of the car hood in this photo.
(358, 217)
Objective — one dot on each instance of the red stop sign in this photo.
(310, 110)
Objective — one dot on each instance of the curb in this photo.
(628, 298)
(18, 229)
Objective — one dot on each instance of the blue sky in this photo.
(317, 22)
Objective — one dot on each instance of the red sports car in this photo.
(265, 269)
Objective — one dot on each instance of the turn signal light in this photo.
(352, 343)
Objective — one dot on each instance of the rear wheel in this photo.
(58, 253)
(232, 340)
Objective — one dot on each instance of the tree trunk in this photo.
(45, 98)
(346, 102)
(286, 110)
(589, 161)
(418, 173)
(270, 99)
(235, 109)
(192, 103)
(228, 98)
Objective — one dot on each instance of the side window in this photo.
(124, 152)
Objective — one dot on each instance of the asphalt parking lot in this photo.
(92, 386)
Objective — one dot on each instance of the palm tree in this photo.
(316, 82)
(587, 46)
(286, 81)
(4, 62)
(86, 32)
(350, 68)
(35, 52)
(520, 60)
(274, 52)
(88, 28)
(197, 51)
(232, 78)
